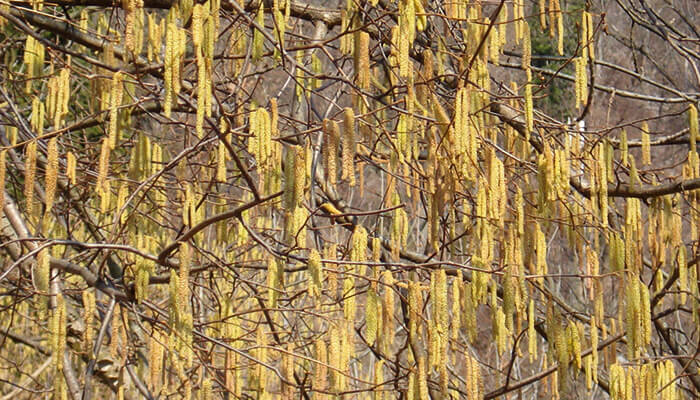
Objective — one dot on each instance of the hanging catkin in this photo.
(331, 139)
(70, 167)
(456, 306)
(348, 154)
(315, 268)
(58, 332)
(3, 166)
(51, 173)
(42, 271)
(103, 166)
(155, 360)
(388, 305)
(29, 175)
(531, 333)
(198, 21)
(258, 39)
(646, 146)
(527, 46)
(115, 101)
(89, 308)
(529, 107)
(373, 307)
(588, 23)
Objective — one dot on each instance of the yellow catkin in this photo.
(575, 343)
(529, 108)
(372, 316)
(258, 39)
(29, 176)
(527, 47)
(494, 43)
(456, 306)
(11, 132)
(581, 80)
(541, 248)
(321, 368)
(403, 44)
(155, 37)
(169, 65)
(3, 171)
(71, 164)
(115, 98)
(38, 113)
(221, 157)
(646, 147)
(594, 347)
(274, 281)
(198, 21)
(88, 316)
(58, 334)
(589, 38)
(116, 326)
(299, 175)
(331, 139)
(556, 23)
(205, 392)
(51, 173)
(473, 378)
(423, 378)
(348, 153)
(103, 166)
(532, 334)
(155, 361)
(361, 59)
(133, 32)
(315, 273)
(43, 269)
(645, 305)
(34, 60)
(693, 127)
(624, 149)
(440, 300)
(388, 305)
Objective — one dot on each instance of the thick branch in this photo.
(512, 118)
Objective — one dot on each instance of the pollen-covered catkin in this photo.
(529, 108)
(315, 269)
(51, 173)
(348, 153)
(531, 333)
(30, 175)
(456, 306)
(115, 101)
(693, 126)
(198, 21)
(42, 272)
(646, 146)
(58, 333)
(103, 166)
(155, 360)
(70, 167)
(361, 59)
(527, 46)
(221, 161)
(371, 316)
(88, 316)
(331, 139)
(258, 39)
(594, 348)
(588, 21)
(3, 171)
